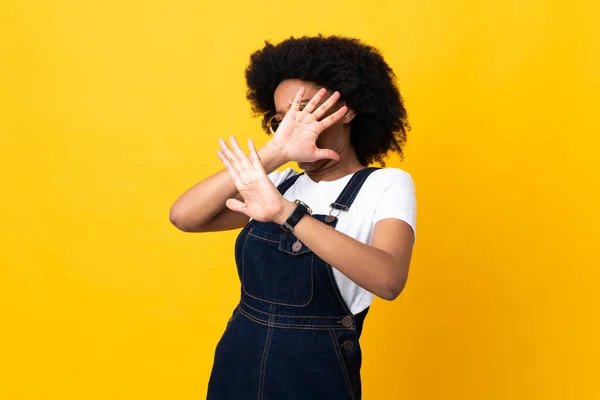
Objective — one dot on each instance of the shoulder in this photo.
(384, 178)
(396, 196)
(277, 177)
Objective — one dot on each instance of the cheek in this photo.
(333, 131)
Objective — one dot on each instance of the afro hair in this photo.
(356, 70)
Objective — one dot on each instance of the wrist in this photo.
(272, 155)
(286, 210)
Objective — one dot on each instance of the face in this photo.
(336, 137)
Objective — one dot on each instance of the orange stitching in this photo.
(336, 289)
(262, 238)
(242, 231)
(282, 325)
(360, 183)
(286, 316)
(312, 286)
(264, 363)
(338, 354)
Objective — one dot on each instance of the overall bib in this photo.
(292, 336)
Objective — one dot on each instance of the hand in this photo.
(297, 134)
(262, 200)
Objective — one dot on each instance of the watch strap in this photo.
(295, 217)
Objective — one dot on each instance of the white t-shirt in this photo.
(387, 193)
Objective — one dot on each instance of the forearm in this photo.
(371, 268)
(203, 201)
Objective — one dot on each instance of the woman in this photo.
(319, 245)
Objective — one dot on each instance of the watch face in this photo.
(308, 210)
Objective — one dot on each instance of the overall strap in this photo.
(345, 199)
(285, 185)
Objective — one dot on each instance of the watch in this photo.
(300, 210)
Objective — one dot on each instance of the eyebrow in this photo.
(302, 103)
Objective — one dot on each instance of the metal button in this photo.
(297, 246)
(348, 345)
(347, 322)
(329, 218)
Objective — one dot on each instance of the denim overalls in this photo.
(291, 337)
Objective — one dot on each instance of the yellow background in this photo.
(110, 109)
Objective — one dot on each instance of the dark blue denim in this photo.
(291, 337)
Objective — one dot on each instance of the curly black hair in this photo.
(358, 71)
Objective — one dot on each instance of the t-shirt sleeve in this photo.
(278, 177)
(398, 200)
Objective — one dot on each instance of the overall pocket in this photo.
(277, 268)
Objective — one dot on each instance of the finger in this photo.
(312, 104)
(236, 205)
(230, 155)
(254, 157)
(227, 164)
(335, 117)
(319, 112)
(321, 154)
(296, 103)
(244, 161)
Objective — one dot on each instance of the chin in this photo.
(312, 166)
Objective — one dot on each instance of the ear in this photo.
(350, 114)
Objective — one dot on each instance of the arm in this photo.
(381, 268)
(202, 207)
